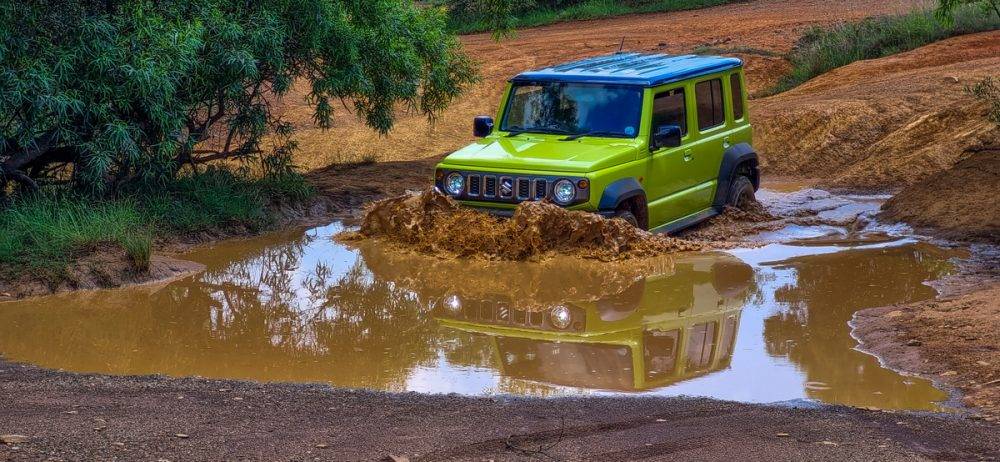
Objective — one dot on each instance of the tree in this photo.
(103, 93)
(946, 8)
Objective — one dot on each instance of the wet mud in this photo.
(958, 203)
(432, 223)
(104, 266)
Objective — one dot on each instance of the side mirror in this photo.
(666, 136)
(482, 126)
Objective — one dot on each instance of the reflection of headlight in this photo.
(561, 317)
(564, 192)
(454, 184)
(453, 303)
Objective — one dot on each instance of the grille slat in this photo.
(540, 190)
(523, 188)
(490, 183)
(475, 185)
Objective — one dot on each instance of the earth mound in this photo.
(430, 222)
(958, 203)
(884, 123)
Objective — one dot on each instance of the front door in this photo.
(672, 174)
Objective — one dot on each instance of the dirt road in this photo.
(80, 417)
(769, 26)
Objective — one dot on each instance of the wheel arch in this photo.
(733, 159)
(622, 191)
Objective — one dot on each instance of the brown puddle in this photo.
(760, 325)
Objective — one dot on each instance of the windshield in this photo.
(573, 109)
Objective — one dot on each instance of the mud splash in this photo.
(734, 224)
(430, 222)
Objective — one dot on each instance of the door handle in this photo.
(725, 142)
(687, 155)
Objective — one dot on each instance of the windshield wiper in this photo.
(581, 135)
(514, 131)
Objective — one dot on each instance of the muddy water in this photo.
(761, 325)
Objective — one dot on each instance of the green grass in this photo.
(46, 232)
(822, 50)
(590, 9)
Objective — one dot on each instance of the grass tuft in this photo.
(822, 50)
(46, 232)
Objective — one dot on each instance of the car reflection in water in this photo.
(661, 330)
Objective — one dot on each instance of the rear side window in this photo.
(669, 109)
(710, 109)
(734, 81)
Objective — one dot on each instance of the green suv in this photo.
(660, 141)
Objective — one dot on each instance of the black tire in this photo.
(628, 216)
(741, 192)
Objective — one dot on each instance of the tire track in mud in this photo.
(520, 443)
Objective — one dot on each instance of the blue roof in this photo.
(632, 68)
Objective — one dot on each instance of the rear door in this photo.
(713, 136)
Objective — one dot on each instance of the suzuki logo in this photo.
(506, 187)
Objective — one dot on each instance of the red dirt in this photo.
(884, 123)
(955, 340)
(959, 203)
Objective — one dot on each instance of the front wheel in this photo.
(741, 193)
(628, 216)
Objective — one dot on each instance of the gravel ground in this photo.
(90, 417)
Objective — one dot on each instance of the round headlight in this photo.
(563, 192)
(560, 317)
(454, 184)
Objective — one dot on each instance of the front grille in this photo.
(491, 186)
(475, 185)
(501, 312)
(505, 188)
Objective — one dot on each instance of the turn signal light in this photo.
(583, 184)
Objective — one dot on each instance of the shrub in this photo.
(113, 93)
(988, 91)
(821, 50)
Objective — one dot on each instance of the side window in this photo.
(660, 352)
(669, 109)
(734, 81)
(701, 345)
(710, 109)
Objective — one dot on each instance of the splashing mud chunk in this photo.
(431, 222)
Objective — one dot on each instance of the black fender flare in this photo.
(620, 191)
(732, 158)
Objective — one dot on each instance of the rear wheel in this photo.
(741, 192)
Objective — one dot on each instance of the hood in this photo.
(545, 153)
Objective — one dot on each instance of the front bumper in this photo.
(507, 213)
